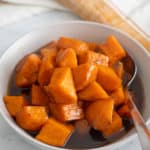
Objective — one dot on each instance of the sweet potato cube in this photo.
(100, 113)
(47, 67)
(83, 75)
(93, 92)
(77, 45)
(93, 46)
(124, 111)
(93, 58)
(118, 96)
(66, 58)
(113, 49)
(31, 118)
(108, 78)
(51, 52)
(66, 112)
(14, 104)
(114, 127)
(62, 87)
(50, 48)
(118, 68)
(55, 133)
(45, 72)
(39, 96)
(27, 72)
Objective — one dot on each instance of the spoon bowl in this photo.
(130, 73)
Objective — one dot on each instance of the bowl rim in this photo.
(27, 137)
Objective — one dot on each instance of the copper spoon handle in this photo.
(142, 130)
(104, 12)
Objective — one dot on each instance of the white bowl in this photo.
(84, 31)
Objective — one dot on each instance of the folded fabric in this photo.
(14, 10)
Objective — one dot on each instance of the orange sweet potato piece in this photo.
(118, 96)
(31, 118)
(66, 58)
(92, 92)
(118, 68)
(124, 111)
(45, 72)
(39, 96)
(77, 45)
(99, 113)
(47, 67)
(54, 133)
(66, 112)
(49, 48)
(83, 75)
(93, 58)
(62, 87)
(113, 49)
(114, 127)
(93, 46)
(27, 73)
(14, 104)
(108, 78)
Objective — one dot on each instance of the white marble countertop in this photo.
(11, 31)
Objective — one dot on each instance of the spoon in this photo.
(141, 128)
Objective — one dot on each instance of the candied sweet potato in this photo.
(50, 48)
(45, 73)
(39, 96)
(47, 67)
(14, 104)
(118, 68)
(83, 75)
(115, 126)
(62, 87)
(66, 58)
(93, 58)
(93, 46)
(66, 112)
(27, 72)
(31, 118)
(93, 92)
(100, 113)
(113, 49)
(108, 78)
(118, 96)
(124, 111)
(77, 45)
(54, 133)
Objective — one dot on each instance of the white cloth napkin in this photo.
(14, 10)
(137, 10)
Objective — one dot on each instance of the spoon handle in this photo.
(142, 130)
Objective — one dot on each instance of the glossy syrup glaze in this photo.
(91, 138)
